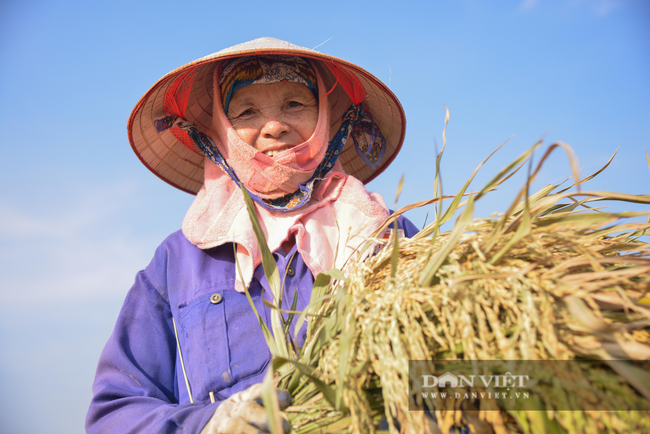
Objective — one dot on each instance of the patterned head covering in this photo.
(357, 123)
(263, 70)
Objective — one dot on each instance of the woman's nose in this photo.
(274, 128)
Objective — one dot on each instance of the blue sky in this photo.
(80, 215)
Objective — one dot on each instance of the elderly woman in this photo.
(301, 132)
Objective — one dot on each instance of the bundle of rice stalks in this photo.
(551, 279)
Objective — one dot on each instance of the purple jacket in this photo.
(139, 385)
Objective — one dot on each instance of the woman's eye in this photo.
(246, 113)
(294, 104)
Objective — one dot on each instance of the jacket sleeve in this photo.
(135, 388)
(405, 224)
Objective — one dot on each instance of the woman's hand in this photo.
(244, 413)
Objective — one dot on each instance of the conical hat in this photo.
(182, 167)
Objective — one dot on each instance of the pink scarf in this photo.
(270, 177)
(328, 230)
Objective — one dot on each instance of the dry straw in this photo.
(552, 278)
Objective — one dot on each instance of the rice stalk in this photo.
(553, 278)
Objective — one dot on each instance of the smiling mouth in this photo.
(272, 154)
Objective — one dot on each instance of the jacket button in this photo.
(216, 298)
(291, 272)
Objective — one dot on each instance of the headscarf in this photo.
(330, 215)
(287, 182)
(243, 71)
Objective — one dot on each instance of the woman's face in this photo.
(273, 117)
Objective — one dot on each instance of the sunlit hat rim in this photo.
(146, 100)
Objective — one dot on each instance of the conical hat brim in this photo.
(181, 167)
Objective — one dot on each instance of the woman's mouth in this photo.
(272, 154)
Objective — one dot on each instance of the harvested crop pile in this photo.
(550, 279)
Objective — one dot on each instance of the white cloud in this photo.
(82, 247)
(527, 4)
(604, 7)
(67, 216)
(598, 7)
(77, 268)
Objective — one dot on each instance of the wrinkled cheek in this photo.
(247, 135)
